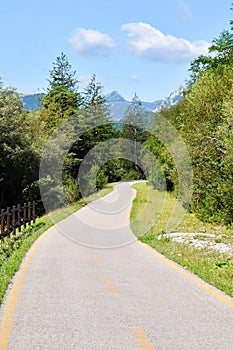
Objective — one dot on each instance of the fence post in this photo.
(19, 217)
(29, 213)
(8, 220)
(2, 221)
(34, 211)
(13, 219)
(24, 215)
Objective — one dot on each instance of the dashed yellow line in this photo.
(110, 287)
(142, 339)
(95, 259)
(190, 277)
(7, 321)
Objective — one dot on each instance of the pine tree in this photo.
(93, 94)
(62, 99)
(95, 127)
(134, 125)
(95, 107)
(94, 112)
(62, 75)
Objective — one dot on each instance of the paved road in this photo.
(79, 296)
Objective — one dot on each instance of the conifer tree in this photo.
(133, 126)
(62, 99)
(62, 74)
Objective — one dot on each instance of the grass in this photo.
(14, 248)
(149, 216)
(150, 213)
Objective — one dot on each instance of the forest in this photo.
(203, 118)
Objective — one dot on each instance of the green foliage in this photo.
(13, 250)
(133, 129)
(93, 180)
(119, 169)
(71, 189)
(204, 120)
(58, 105)
(221, 54)
(18, 162)
(93, 96)
(24, 136)
(61, 75)
(161, 167)
(62, 99)
(134, 121)
(149, 216)
(95, 127)
(101, 179)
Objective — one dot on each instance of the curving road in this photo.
(88, 284)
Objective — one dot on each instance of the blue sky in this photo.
(132, 46)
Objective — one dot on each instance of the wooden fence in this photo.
(15, 218)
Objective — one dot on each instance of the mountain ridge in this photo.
(116, 102)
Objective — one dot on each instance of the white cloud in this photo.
(184, 11)
(148, 42)
(91, 43)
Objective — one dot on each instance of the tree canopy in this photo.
(62, 74)
(204, 119)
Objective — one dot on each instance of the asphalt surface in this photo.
(77, 295)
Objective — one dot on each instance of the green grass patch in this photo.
(14, 248)
(149, 222)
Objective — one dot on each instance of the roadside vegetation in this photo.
(24, 136)
(14, 248)
(154, 208)
(204, 120)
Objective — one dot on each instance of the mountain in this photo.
(118, 105)
(172, 99)
(116, 102)
(152, 105)
(115, 97)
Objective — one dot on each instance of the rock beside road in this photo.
(200, 241)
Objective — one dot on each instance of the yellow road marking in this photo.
(7, 321)
(194, 279)
(95, 259)
(141, 338)
(110, 287)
